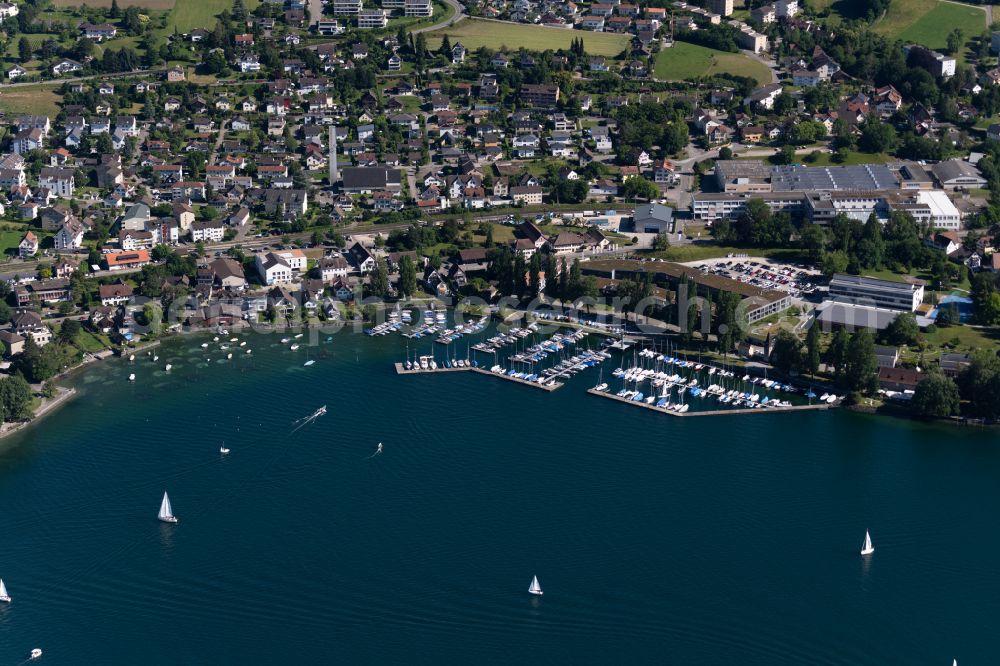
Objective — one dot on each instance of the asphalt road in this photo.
(456, 17)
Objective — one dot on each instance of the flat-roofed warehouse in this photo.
(742, 176)
(855, 178)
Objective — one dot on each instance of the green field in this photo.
(191, 14)
(929, 32)
(494, 35)
(142, 4)
(928, 22)
(40, 99)
(688, 61)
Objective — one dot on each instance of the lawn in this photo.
(928, 22)
(40, 100)
(89, 342)
(475, 34)
(191, 14)
(143, 4)
(963, 338)
(688, 61)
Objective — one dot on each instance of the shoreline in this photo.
(47, 406)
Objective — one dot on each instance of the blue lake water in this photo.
(712, 540)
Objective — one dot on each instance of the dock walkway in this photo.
(400, 370)
(711, 412)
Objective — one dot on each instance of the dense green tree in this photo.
(786, 355)
(936, 396)
(903, 330)
(378, 279)
(15, 398)
(834, 262)
(877, 136)
(69, 331)
(860, 363)
(152, 315)
(980, 383)
(638, 187)
(407, 276)
(24, 50)
(836, 353)
(812, 354)
(813, 238)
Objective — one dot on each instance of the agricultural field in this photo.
(928, 22)
(191, 14)
(687, 61)
(35, 99)
(475, 34)
(160, 5)
(928, 29)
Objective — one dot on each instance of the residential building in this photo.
(208, 230)
(272, 269)
(376, 19)
(59, 181)
(539, 94)
(25, 323)
(114, 294)
(28, 247)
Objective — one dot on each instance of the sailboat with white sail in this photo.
(867, 548)
(4, 596)
(535, 588)
(166, 511)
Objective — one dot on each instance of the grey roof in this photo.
(951, 169)
(836, 313)
(653, 212)
(375, 178)
(846, 280)
(860, 178)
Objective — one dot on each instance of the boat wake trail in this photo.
(378, 451)
(309, 419)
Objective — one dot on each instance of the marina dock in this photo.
(401, 370)
(711, 412)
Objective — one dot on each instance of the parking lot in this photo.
(798, 281)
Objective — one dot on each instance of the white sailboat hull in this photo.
(536, 592)
(168, 519)
(867, 551)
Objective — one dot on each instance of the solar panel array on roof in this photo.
(859, 178)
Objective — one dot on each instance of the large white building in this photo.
(875, 292)
(59, 181)
(272, 269)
